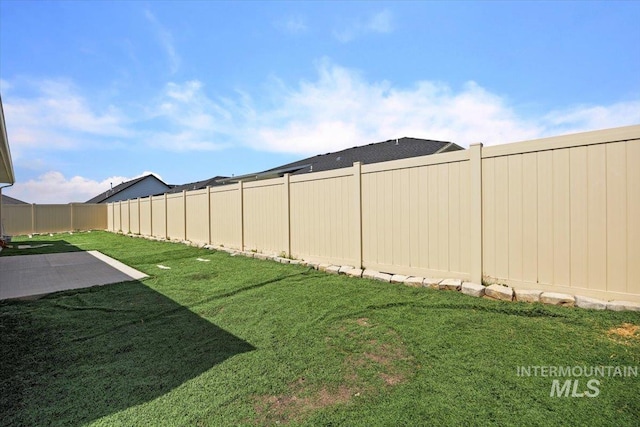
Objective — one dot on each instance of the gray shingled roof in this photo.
(393, 149)
(118, 188)
(6, 200)
(198, 185)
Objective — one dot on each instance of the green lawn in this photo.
(239, 341)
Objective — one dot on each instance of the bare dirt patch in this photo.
(625, 333)
(374, 360)
(363, 321)
(299, 401)
(627, 330)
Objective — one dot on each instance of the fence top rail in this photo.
(75, 205)
(414, 162)
(199, 192)
(626, 133)
(224, 188)
(264, 183)
(314, 176)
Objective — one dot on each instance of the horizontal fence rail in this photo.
(556, 214)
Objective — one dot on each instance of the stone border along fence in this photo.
(556, 214)
(495, 291)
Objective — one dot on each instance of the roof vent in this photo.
(397, 141)
(338, 158)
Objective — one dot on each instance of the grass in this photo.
(239, 341)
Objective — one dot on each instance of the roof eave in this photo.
(7, 175)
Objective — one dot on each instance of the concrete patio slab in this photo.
(34, 275)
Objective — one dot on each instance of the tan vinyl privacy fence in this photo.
(31, 219)
(560, 214)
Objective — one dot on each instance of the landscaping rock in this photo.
(356, 272)
(499, 292)
(527, 295)
(383, 277)
(415, 282)
(430, 282)
(590, 303)
(323, 266)
(295, 262)
(333, 269)
(623, 305)
(345, 268)
(473, 289)
(369, 274)
(261, 256)
(554, 298)
(398, 278)
(451, 284)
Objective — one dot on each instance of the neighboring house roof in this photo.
(6, 164)
(6, 200)
(393, 149)
(140, 187)
(198, 185)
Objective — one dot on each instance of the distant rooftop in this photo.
(102, 197)
(198, 185)
(6, 200)
(393, 149)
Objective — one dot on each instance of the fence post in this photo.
(166, 218)
(209, 214)
(33, 218)
(475, 156)
(241, 189)
(287, 214)
(71, 215)
(357, 180)
(151, 215)
(139, 228)
(184, 213)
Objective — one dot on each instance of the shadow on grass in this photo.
(74, 357)
(38, 247)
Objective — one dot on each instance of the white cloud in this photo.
(4, 86)
(188, 120)
(58, 117)
(338, 109)
(578, 118)
(54, 187)
(166, 41)
(380, 22)
(342, 109)
(292, 25)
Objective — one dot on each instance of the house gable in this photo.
(140, 187)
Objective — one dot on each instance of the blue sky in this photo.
(101, 92)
